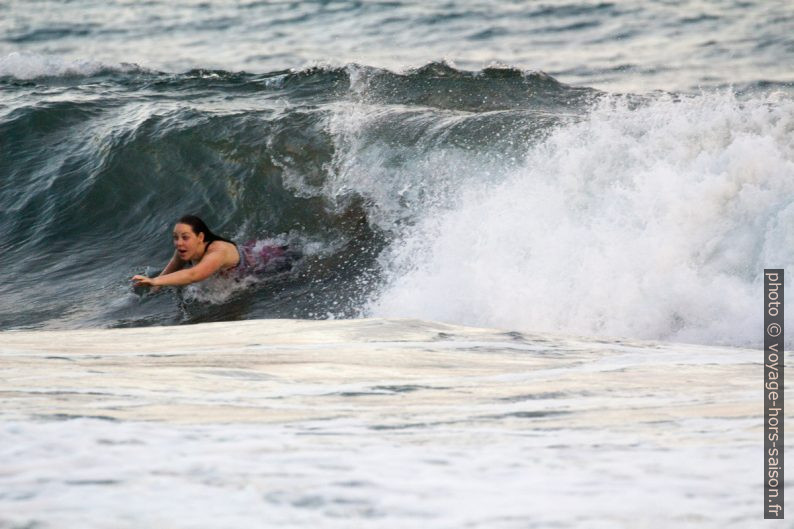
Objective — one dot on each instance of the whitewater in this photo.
(374, 423)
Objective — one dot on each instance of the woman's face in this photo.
(187, 244)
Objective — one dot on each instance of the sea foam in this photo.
(26, 66)
(651, 222)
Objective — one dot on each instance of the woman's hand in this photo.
(143, 281)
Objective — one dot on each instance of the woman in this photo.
(208, 253)
(194, 244)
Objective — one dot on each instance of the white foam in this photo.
(654, 222)
(373, 423)
(32, 66)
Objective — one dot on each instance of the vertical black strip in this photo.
(773, 394)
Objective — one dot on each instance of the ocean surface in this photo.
(596, 168)
(373, 423)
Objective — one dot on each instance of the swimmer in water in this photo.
(200, 253)
(196, 245)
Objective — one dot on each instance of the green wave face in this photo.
(95, 169)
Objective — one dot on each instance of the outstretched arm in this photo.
(173, 265)
(208, 265)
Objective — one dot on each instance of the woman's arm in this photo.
(209, 264)
(173, 265)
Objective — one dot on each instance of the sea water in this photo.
(601, 169)
(598, 168)
(374, 423)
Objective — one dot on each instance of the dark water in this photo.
(417, 155)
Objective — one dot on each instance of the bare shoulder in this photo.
(226, 250)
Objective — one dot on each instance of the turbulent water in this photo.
(595, 168)
(373, 423)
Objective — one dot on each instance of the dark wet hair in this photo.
(199, 226)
